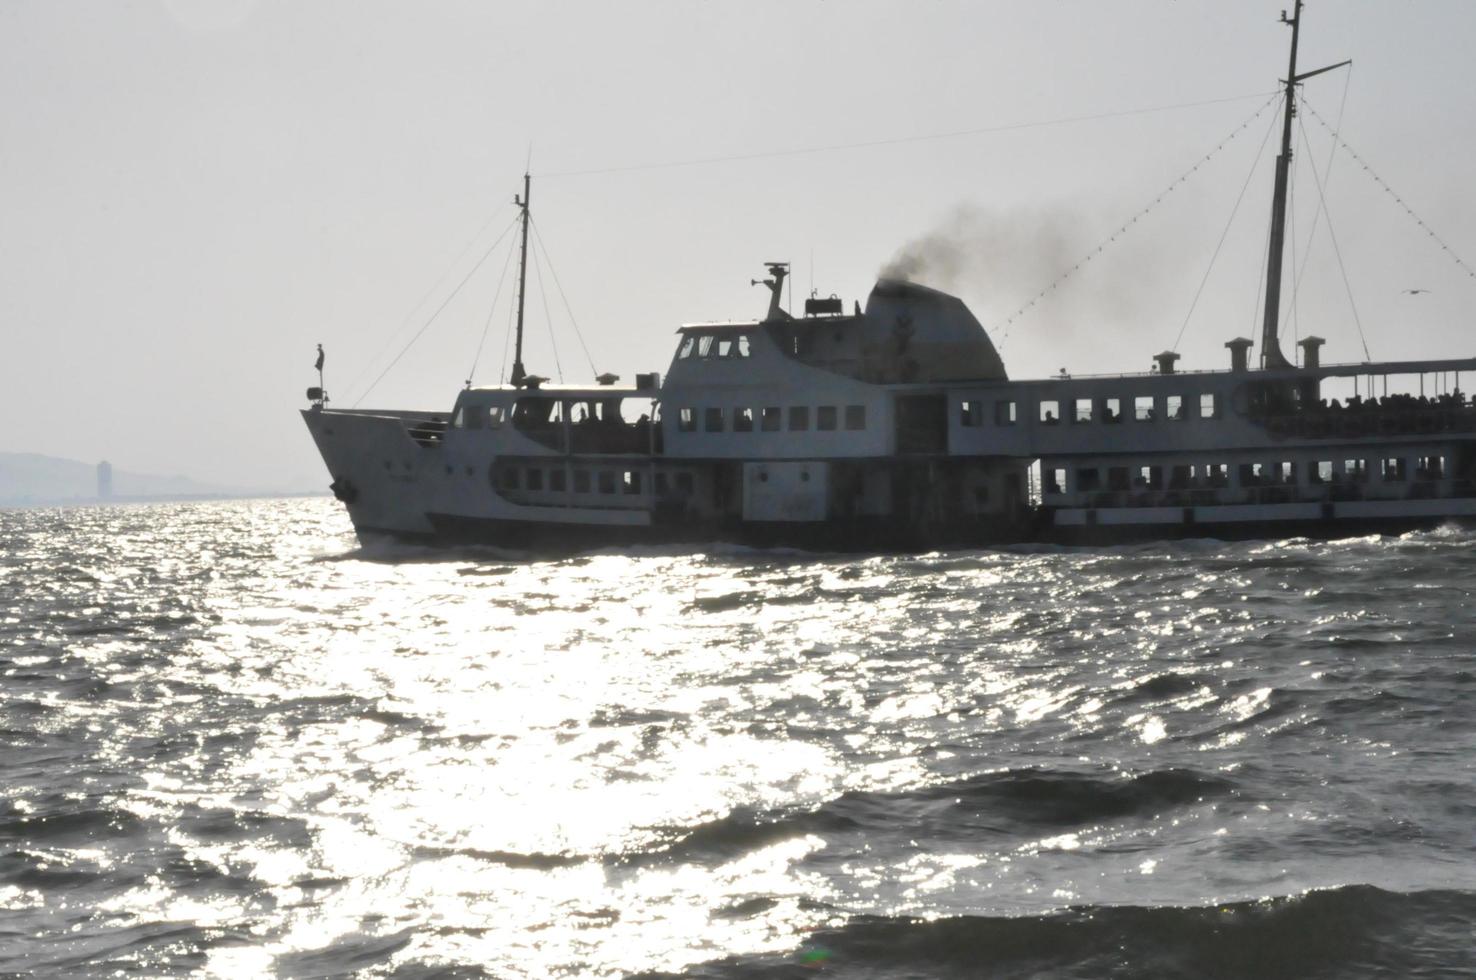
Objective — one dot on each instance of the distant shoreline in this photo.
(173, 498)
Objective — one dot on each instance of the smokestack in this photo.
(1310, 356)
(1239, 354)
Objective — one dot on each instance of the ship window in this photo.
(510, 479)
(770, 419)
(855, 417)
(1430, 468)
(725, 347)
(1174, 408)
(661, 484)
(1217, 474)
(1112, 410)
(689, 343)
(1004, 413)
(968, 413)
(1083, 410)
(1208, 407)
(684, 483)
(467, 418)
(1393, 469)
(741, 345)
(1320, 472)
(1287, 471)
(1355, 470)
(799, 418)
(535, 479)
(581, 481)
(606, 481)
(742, 420)
(556, 481)
(1055, 481)
(1088, 479)
(496, 414)
(704, 346)
(631, 482)
(1181, 476)
(712, 420)
(1117, 478)
(1143, 408)
(825, 418)
(1050, 412)
(687, 420)
(1252, 474)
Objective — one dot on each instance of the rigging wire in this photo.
(487, 324)
(894, 141)
(432, 319)
(548, 317)
(578, 334)
(1390, 191)
(1347, 284)
(1327, 171)
(1003, 327)
(1255, 165)
(390, 338)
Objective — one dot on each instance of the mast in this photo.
(518, 374)
(1271, 356)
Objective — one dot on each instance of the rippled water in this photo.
(234, 743)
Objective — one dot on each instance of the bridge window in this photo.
(1209, 406)
(1004, 413)
(1143, 408)
(855, 418)
(1082, 410)
(770, 421)
(1112, 410)
(742, 420)
(799, 418)
(713, 420)
(689, 344)
(1174, 408)
(704, 345)
(1050, 412)
(686, 420)
(825, 418)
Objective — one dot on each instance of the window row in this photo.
(828, 418)
(713, 345)
(556, 479)
(1144, 408)
(1392, 469)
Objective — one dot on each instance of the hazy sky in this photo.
(193, 194)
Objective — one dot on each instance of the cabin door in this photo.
(922, 424)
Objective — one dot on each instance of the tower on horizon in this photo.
(104, 480)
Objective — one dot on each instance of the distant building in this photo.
(104, 480)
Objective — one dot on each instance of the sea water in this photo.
(236, 743)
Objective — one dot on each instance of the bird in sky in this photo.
(1416, 292)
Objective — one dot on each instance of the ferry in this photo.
(896, 426)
